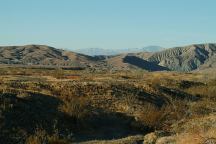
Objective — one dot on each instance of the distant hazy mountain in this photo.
(95, 51)
(100, 51)
(153, 48)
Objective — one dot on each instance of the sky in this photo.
(109, 24)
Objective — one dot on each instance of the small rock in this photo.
(166, 140)
(151, 138)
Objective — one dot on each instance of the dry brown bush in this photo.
(197, 137)
(162, 118)
(76, 107)
(152, 116)
(59, 73)
(208, 90)
(208, 100)
(41, 137)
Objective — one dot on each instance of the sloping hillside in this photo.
(42, 55)
(132, 61)
(186, 58)
(112, 108)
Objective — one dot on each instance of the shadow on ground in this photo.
(108, 126)
(21, 117)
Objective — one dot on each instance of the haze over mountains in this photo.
(187, 58)
(107, 52)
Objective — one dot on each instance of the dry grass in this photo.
(76, 107)
(152, 116)
(41, 137)
(198, 137)
(205, 91)
(198, 130)
(94, 93)
(162, 118)
(128, 140)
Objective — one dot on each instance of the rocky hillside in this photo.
(187, 58)
(48, 56)
(132, 61)
(42, 55)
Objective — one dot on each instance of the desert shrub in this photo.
(156, 81)
(18, 85)
(184, 84)
(130, 99)
(59, 73)
(39, 137)
(3, 71)
(206, 91)
(200, 136)
(203, 107)
(152, 116)
(197, 130)
(76, 107)
(179, 109)
(208, 100)
(162, 81)
(42, 137)
(162, 118)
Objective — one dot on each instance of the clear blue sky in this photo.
(107, 23)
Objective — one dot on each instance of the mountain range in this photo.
(107, 52)
(183, 59)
